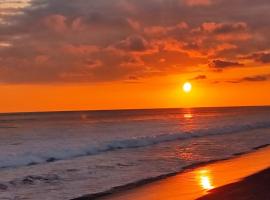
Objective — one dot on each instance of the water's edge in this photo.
(132, 185)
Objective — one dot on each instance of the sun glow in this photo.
(188, 116)
(206, 183)
(205, 180)
(187, 87)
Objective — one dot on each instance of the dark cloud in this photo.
(256, 78)
(198, 2)
(133, 43)
(45, 41)
(224, 28)
(199, 77)
(261, 57)
(222, 64)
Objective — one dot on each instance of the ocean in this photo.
(64, 155)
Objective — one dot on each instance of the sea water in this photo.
(64, 155)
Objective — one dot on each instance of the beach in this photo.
(251, 188)
(134, 99)
(228, 179)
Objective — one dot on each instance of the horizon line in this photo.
(124, 109)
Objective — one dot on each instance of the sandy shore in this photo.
(201, 182)
(254, 187)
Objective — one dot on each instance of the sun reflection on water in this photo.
(188, 116)
(205, 180)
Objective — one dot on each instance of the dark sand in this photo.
(254, 187)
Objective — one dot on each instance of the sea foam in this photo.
(63, 152)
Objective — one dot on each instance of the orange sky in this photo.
(152, 93)
(76, 55)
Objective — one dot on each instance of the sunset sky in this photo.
(111, 54)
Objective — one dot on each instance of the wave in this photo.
(69, 153)
(152, 140)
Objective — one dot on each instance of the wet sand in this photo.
(254, 187)
(201, 181)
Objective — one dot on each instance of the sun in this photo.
(187, 87)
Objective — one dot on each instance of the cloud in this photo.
(233, 31)
(224, 28)
(262, 57)
(256, 78)
(222, 64)
(133, 43)
(199, 77)
(10, 8)
(165, 30)
(198, 2)
(56, 23)
(48, 41)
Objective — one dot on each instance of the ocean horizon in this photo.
(126, 109)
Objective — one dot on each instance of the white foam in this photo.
(53, 151)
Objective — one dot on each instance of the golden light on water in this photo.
(205, 180)
(187, 87)
(188, 116)
(206, 183)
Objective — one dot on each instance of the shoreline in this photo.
(145, 182)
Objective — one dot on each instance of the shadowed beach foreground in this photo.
(202, 181)
(253, 187)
